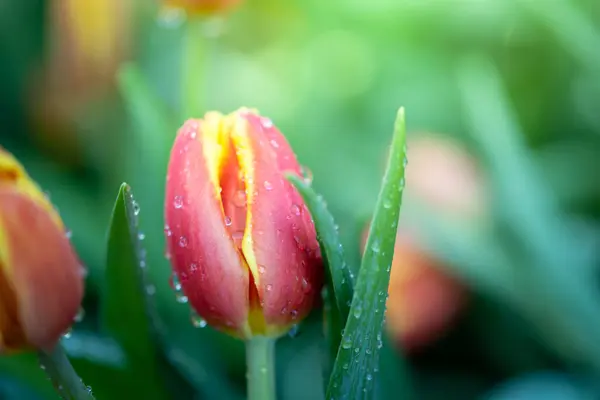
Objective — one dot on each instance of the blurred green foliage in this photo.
(516, 81)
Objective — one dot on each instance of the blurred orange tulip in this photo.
(202, 7)
(86, 43)
(41, 284)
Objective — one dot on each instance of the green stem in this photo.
(62, 375)
(260, 361)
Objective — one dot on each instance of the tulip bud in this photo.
(202, 7)
(240, 238)
(41, 285)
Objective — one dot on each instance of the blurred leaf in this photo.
(25, 369)
(358, 356)
(546, 386)
(339, 277)
(194, 68)
(124, 309)
(563, 304)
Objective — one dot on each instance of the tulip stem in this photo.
(260, 360)
(65, 380)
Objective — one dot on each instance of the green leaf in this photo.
(339, 277)
(124, 308)
(357, 361)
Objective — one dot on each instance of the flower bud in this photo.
(41, 285)
(240, 238)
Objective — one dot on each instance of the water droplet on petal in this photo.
(346, 344)
(261, 269)
(178, 202)
(294, 314)
(268, 185)
(227, 221)
(295, 209)
(269, 287)
(305, 286)
(141, 236)
(239, 199)
(183, 241)
(67, 334)
(168, 231)
(274, 143)
(375, 247)
(266, 123)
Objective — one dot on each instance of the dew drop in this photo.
(227, 221)
(261, 269)
(294, 314)
(80, 315)
(174, 282)
(197, 321)
(68, 234)
(266, 123)
(168, 231)
(178, 202)
(181, 298)
(239, 199)
(136, 207)
(375, 247)
(369, 377)
(307, 174)
(387, 204)
(357, 311)
(295, 209)
(183, 241)
(274, 143)
(345, 366)
(294, 331)
(141, 236)
(67, 334)
(347, 344)
(150, 290)
(305, 286)
(269, 287)
(268, 185)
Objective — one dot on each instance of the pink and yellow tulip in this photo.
(239, 235)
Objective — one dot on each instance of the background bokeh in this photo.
(503, 199)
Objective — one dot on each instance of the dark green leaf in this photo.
(125, 310)
(357, 362)
(339, 277)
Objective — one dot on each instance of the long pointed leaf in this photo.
(339, 277)
(357, 361)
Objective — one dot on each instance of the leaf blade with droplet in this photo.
(339, 278)
(358, 357)
(124, 308)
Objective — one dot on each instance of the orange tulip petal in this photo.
(280, 244)
(39, 264)
(202, 250)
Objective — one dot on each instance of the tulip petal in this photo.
(280, 243)
(40, 267)
(211, 271)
